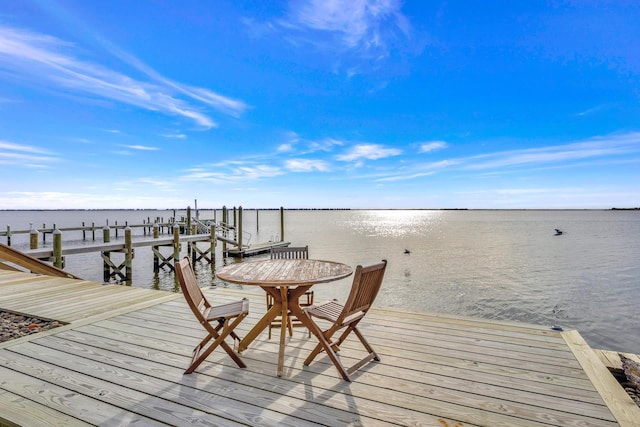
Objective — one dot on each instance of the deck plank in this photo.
(121, 358)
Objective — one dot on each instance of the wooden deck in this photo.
(120, 361)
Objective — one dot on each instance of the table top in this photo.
(284, 272)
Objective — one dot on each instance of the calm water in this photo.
(492, 264)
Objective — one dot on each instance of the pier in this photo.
(120, 358)
(190, 230)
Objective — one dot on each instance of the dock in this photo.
(120, 357)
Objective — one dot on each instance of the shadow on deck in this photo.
(121, 359)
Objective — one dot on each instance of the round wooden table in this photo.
(286, 280)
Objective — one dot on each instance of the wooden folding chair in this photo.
(289, 252)
(366, 284)
(227, 316)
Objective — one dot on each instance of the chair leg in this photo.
(324, 345)
(324, 337)
(200, 353)
(331, 349)
(366, 344)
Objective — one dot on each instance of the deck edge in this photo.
(622, 407)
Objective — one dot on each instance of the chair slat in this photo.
(366, 285)
(227, 316)
(289, 252)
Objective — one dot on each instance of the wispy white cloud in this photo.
(174, 135)
(233, 172)
(285, 148)
(53, 63)
(227, 105)
(6, 145)
(404, 177)
(292, 139)
(141, 147)
(160, 184)
(362, 24)
(369, 152)
(307, 165)
(326, 144)
(593, 110)
(614, 145)
(427, 147)
(619, 149)
(24, 155)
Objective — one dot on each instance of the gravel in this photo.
(16, 325)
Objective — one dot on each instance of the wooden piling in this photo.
(8, 235)
(128, 256)
(57, 248)
(188, 229)
(33, 237)
(240, 229)
(214, 242)
(176, 245)
(281, 224)
(225, 215)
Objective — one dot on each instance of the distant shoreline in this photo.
(325, 209)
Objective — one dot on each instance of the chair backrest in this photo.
(290, 252)
(366, 284)
(190, 289)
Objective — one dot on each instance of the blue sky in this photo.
(319, 104)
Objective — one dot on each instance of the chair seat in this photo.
(331, 310)
(219, 321)
(232, 309)
(346, 317)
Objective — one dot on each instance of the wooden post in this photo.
(33, 237)
(116, 227)
(281, 224)
(156, 259)
(224, 230)
(84, 232)
(93, 231)
(235, 216)
(188, 230)
(240, 230)
(188, 220)
(156, 230)
(8, 235)
(214, 241)
(257, 221)
(43, 233)
(176, 245)
(106, 268)
(57, 248)
(128, 256)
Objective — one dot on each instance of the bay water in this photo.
(495, 264)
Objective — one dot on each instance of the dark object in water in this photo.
(558, 232)
(407, 251)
